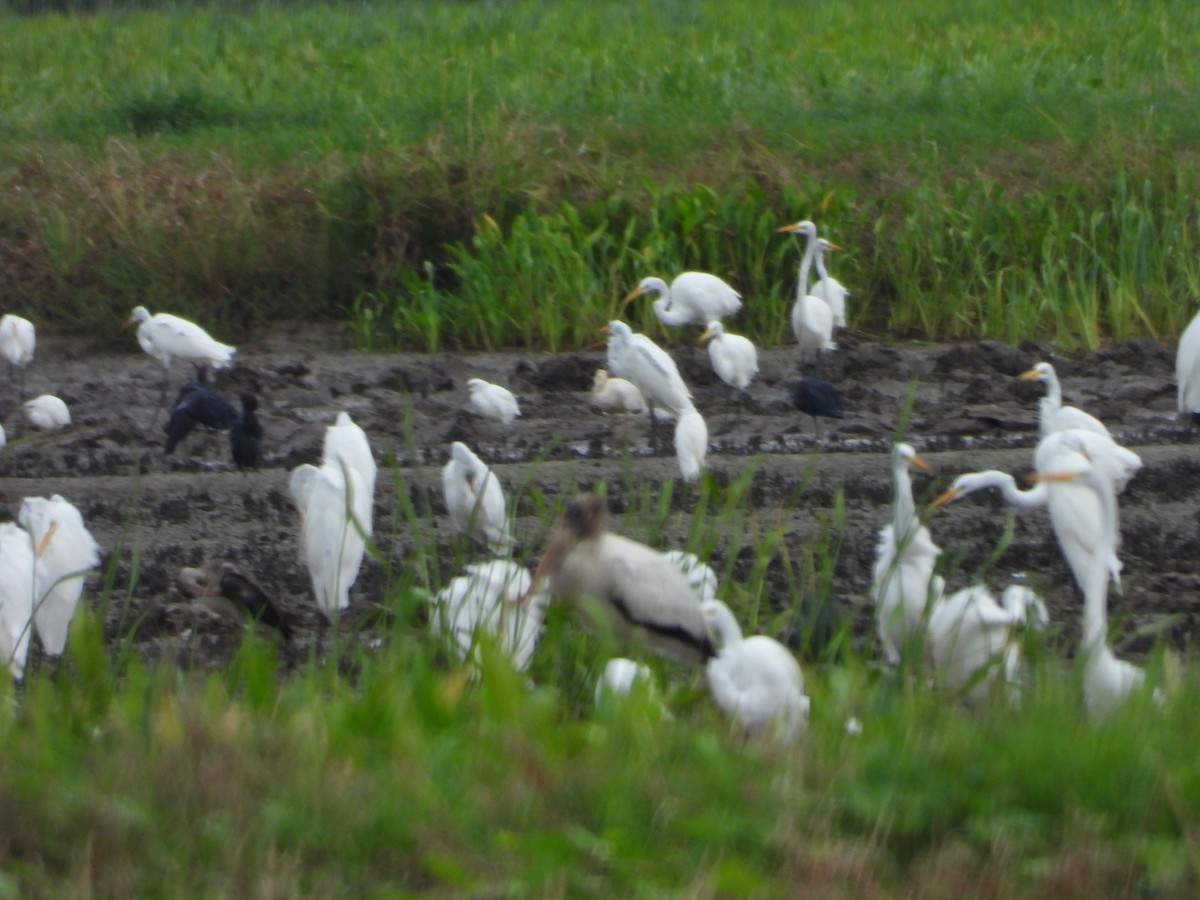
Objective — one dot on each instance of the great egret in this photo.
(700, 576)
(492, 401)
(47, 413)
(246, 435)
(637, 588)
(817, 398)
(64, 552)
(755, 679)
(651, 369)
(1052, 415)
(734, 358)
(345, 441)
(18, 338)
(16, 597)
(691, 444)
(615, 394)
(475, 499)
(970, 637)
(335, 512)
(827, 287)
(812, 317)
(166, 337)
(197, 404)
(619, 677)
(1107, 681)
(485, 598)
(1187, 368)
(694, 298)
(226, 587)
(904, 560)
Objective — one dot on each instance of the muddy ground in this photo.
(157, 513)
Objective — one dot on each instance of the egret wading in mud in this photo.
(1052, 415)
(166, 337)
(733, 357)
(491, 401)
(812, 318)
(648, 366)
(640, 592)
(475, 500)
(18, 339)
(693, 298)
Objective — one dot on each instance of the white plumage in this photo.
(1187, 368)
(475, 499)
(640, 360)
(619, 677)
(615, 394)
(18, 338)
(492, 401)
(904, 560)
(1052, 415)
(829, 288)
(485, 598)
(701, 578)
(345, 441)
(16, 597)
(335, 512)
(812, 318)
(734, 358)
(755, 680)
(166, 337)
(65, 553)
(691, 444)
(47, 413)
(694, 298)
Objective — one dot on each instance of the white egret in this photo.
(694, 298)
(47, 413)
(755, 679)
(827, 287)
(16, 597)
(651, 369)
(904, 560)
(335, 512)
(1187, 368)
(639, 590)
(18, 338)
(734, 358)
(475, 499)
(3, 437)
(970, 637)
(1107, 681)
(492, 401)
(65, 552)
(485, 598)
(615, 394)
(700, 576)
(346, 442)
(812, 317)
(620, 676)
(691, 444)
(166, 337)
(1052, 415)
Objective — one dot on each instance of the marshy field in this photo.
(375, 202)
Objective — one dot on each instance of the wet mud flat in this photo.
(153, 513)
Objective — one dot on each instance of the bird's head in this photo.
(1041, 372)
(906, 453)
(599, 379)
(804, 227)
(618, 329)
(715, 329)
(139, 314)
(826, 246)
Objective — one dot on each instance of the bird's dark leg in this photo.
(162, 398)
(653, 429)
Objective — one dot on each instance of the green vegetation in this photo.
(473, 175)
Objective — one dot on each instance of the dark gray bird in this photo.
(817, 398)
(197, 404)
(246, 434)
(217, 579)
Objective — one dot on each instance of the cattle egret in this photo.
(620, 676)
(691, 444)
(755, 680)
(335, 513)
(47, 413)
(904, 561)
(734, 358)
(614, 394)
(694, 298)
(639, 590)
(17, 569)
(1052, 415)
(651, 369)
(475, 499)
(492, 401)
(485, 598)
(246, 435)
(17, 341)
(829, 288)
(219, 580)
(166, 337)
(812, 318)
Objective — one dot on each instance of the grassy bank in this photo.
(445, 175)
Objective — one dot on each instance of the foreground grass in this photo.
(499, 175)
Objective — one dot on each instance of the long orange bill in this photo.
(45, 541)
(943, 499)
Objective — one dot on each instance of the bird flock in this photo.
(661, 602)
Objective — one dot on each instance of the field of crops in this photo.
(484, 182)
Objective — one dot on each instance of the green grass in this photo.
(466, 175)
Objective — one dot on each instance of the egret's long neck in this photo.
(726, 626)
(806, 261)
(819, 262)
(1034, 496)
(1095, 604)
(905, 510)
(1053, 399)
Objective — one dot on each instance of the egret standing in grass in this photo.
(485, 599)
(492, 401)
(65, 552)
(18, 338)
(650, 368)
(166, 337)
(1052, 415)
(694, 298)
(47, 413)
(734, 358)
(829, 288)
(1187, 369)
(812, 317)
(636, 588)
(755, 680)
(475, 499)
